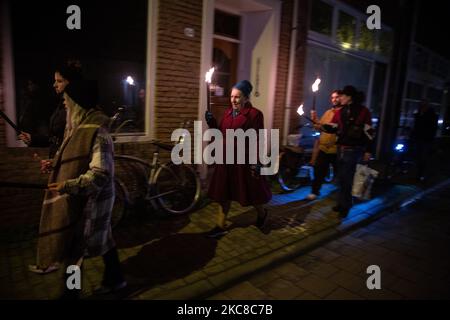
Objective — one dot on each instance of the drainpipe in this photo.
(288, 107)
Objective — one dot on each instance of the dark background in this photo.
(110, 46)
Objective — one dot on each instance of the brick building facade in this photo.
(179, 52)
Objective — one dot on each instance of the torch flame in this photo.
(315, 86)
(209, 74)
(300, 110)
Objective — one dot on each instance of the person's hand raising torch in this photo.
(208, 77)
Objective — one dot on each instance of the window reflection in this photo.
(345, 32)
(321, 17)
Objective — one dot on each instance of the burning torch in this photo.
(302, 114)
(208, 77)
(315, 88)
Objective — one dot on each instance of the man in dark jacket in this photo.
(353, 125)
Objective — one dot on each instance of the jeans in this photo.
(321, 168)
(347, 160)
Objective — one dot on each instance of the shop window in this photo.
(414, 91)
(321, 17)
(434, 95)
(366, 38)
(385, 43)
(420, 59)
(345, 33)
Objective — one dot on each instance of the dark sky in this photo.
(433, 27)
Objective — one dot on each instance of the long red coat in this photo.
(235, 181)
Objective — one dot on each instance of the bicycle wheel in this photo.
(176, 188)
(120, 203)
(288, 173)
(133, 174)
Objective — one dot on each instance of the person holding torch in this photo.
(238, 182)
(325, 146)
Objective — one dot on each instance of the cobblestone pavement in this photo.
(170, 257)
(411, 247)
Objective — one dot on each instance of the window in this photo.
(379, 80)
(414, 91)
(420, 59)
(111, 47)
(439, 67)
(345, 33)
(226, 24)
(434, 95)
(321, 17)
(385, 43)
(333, 69)
(225, 59)
(366, 38)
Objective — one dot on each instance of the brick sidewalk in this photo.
(410, 246)
(172, 258)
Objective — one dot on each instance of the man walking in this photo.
(327, 146)
(353, 125)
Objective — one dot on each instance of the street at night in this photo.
(223, 151)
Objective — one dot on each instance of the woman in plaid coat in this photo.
(76, 213)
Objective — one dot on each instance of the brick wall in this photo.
(300, 62)
(283, 64)
(178, 65)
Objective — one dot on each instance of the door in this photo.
(225, 60)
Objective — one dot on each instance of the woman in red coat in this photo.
(238, 182)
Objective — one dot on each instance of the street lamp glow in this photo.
(209, 75)
(346, 45)
(315, 86)
(300, 110)
(130, 81)
(400, 147)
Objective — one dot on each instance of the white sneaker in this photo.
(311, 196)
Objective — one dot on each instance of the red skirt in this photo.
(234, 182)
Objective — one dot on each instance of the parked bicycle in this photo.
(295, 169)
(173, 188)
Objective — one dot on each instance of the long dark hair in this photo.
(70, 70)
